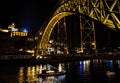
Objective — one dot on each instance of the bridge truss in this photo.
(103, 11)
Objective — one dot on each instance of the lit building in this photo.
(18, 33)
(15, 44)
(12, 27)
(15, 32)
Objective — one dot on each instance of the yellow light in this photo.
(21, 49)
(40, 33)
(51, 41)
(93, 43)
(30, 51)
(3, 30)
(60, 67)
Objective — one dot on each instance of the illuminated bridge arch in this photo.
(47, 32)
(104, 11)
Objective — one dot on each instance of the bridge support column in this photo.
(87, 35)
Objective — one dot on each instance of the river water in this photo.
(84, 71)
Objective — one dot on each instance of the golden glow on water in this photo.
(29, 74)
(21, 75)
(44, 67)
(60, 67)
(37, 68)
(86, 65)
(85, 71)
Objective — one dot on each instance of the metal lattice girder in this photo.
(99, 10)
(104, 11)
(87, 35)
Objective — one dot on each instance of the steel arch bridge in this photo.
(104, 11)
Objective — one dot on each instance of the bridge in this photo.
(86, 12)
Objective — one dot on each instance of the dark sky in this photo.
(28, 14)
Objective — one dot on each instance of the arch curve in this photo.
(49, 28)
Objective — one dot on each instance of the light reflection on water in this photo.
(84, 68)
(86, 71)
(29, 74)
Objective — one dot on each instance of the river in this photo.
(83, 71)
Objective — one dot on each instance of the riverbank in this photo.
(58, 59)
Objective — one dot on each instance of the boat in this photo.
(110, 74)
(50, 76)
(46, 73)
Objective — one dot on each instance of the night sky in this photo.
(31, 14)
(28, 14)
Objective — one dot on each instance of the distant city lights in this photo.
(25, 30)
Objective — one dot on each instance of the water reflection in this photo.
(84, 68)
(81, 68)
(29, 74)
(84, 71)
(21, 75)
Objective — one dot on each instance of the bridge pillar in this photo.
(87, 35)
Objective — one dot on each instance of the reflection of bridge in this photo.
(88, 11)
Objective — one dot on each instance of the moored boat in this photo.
(110, 74)
(46, 73)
